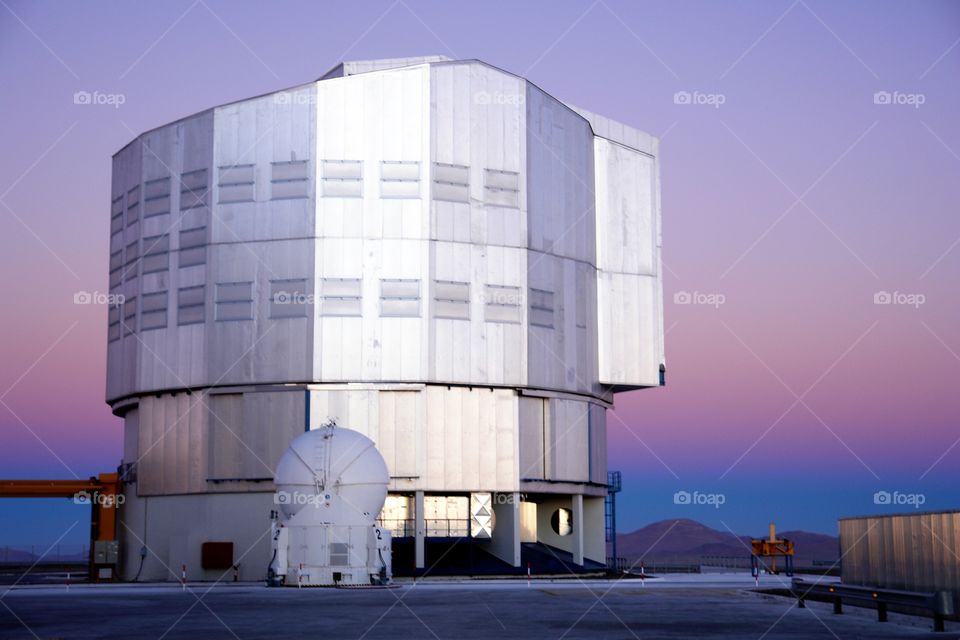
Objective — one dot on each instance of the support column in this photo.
(419, 531)
(505, 542)
(576, 509)
(594, 542)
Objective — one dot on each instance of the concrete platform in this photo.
(674, 607)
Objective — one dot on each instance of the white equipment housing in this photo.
(331, 485)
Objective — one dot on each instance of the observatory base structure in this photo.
(437, 254)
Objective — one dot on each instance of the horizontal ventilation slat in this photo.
(236, 193)
(451, 192)
(156, 207)
(400, 170)
(342, 169)
(342, 188)
(340, 287)
(340, 307)
(453, 173)
(235, 310)
(192, 257)
(297, 170)
(454, 291)
(193, 237)
(400, 288)
(159, 188)
(235, 292)
(452, 310)
(154, 301)
(290, 189)
(235, 174)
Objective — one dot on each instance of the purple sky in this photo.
(793, 202)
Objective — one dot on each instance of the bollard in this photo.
(68, 581)
(943, 607)
(183, 577)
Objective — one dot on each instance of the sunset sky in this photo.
(814, 168)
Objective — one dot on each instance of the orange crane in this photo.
(771, 548)
(104, 495)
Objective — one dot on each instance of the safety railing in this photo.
(433, 527)
(44, 554)
(938, 605)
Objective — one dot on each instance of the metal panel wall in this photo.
(912, 552)
(263, 242)
(629, 278)
(477, 122)
(517, 146)
(122, 353)
(433, 438)
(370, 120)
(561, 238)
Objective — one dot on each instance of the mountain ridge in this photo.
(685, 540)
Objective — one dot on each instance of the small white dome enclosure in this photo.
(336, 471)
(331, 485)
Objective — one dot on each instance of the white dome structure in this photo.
(338, 472)
(331, 485)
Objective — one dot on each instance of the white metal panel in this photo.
(374, 237)
(560, 179)
(627, 239)
(532, 414)
(630, 330)
(567, 441)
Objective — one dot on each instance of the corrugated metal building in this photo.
(907, 551)
(435, 253)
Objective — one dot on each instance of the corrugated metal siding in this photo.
(913, 552)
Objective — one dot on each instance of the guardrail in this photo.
(433, 527)
(44, 555)
(939, 605)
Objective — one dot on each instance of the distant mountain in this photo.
(684, 540)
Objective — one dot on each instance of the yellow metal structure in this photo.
(773, 548)
(104, 495)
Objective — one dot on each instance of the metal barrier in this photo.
(45, 554)
(433, 527)
(938, 604)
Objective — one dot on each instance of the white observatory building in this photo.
(434, 253)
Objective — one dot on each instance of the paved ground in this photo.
(678, 607)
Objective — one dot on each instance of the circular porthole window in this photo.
(562, 522)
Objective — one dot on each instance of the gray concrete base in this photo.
(568, 609)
